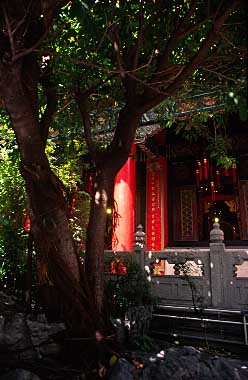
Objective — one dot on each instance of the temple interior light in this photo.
(211, 178)
(216, 220)
(108, 211)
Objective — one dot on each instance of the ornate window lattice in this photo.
(186, 213)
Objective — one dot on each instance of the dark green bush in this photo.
(128, 290)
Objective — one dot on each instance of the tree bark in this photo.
(94, 264)
(58, 265)
(107, 166)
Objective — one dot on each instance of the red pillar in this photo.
(165, 202)
(124, 195)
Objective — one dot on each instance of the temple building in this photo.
(175, 190)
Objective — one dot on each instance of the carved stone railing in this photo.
(215, 276)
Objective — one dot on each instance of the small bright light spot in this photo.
(231, 94)
(211, 265)
(149, 278)
(209, 293)
(160, 354)
(176, 342)
(216, 220)
(175, 335)
(157, 261)
(231, 283)
(150, 254)
(243, 367)
(152, 359)
(199, 261)
(108, 211)
(45, 58)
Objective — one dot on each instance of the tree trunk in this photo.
(94, 264)
(107, 166)
(58, 263)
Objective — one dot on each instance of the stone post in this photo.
(139, 246)
(217, 250)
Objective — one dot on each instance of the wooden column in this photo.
(243, 196)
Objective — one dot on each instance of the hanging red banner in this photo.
(156, 226)
(27, 222)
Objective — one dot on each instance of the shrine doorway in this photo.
(225, 211)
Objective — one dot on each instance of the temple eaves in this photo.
(149, 126)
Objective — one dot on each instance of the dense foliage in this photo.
(65, 154)
(13, 239)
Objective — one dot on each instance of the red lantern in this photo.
(205, 168)
(226, 172)
(90, 185)
(197, 178)
(212, 191)
(200, 170)
(27, 222)
(234, 175)
(218, 178)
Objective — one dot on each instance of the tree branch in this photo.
(133, 55)
(51, 107)
(50, 9)
(177, 34)
(82, 101)
(10, 33)
(148, 102)
(116, 43)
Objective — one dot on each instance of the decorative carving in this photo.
(186, 213)
(176, 269)
(245, 189)
(235, 269)
(139, 238)
(216, 234)
(146, 131)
